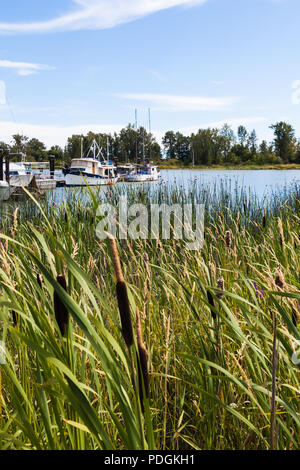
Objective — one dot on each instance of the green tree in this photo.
(284, 142)
(36, 150)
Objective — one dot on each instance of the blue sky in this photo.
(72, 65)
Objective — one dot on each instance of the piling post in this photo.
(7, 168)
(52, 166)
(1, 166)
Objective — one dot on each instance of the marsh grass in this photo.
(206, 318)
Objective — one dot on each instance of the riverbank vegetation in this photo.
(206, 148)
(207, 359)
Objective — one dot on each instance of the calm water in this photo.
(262, 183)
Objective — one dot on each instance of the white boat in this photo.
(146, 172)
(18, 176)
(125, 170)
(43, 182)
(91, 170)
(5, 191)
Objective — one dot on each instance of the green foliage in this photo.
(210, 380)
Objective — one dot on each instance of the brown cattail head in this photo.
(60, 310)
(15, 317)
(212, 304)
(228, 238)
(124, 309)
(39, 280)
(294, 316)
(221, 286)
(143, 373)
(116, 258)
(122, 295)
(279, 279)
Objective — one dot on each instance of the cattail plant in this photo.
(39, 279)
(279, 279)
(228, 240)
(122, 295)
(221, 286)
(211, 303)
(60, 310)
(15, 318)
(143, 373)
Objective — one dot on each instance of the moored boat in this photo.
(5, 191)
(91, 170)
(18, 175)
(147, 172)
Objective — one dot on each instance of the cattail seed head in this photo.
(39, 280)
(212, 304)
(221, 286)
(124, 309)
(294, 316)
(143, 373)
(15, 317)
(279, 279)
(228, 238)
(60, 310)
(122, 295)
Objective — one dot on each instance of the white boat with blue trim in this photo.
(91, 170)
(147, 172)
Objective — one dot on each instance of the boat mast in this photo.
(150, 150)
(136, 137)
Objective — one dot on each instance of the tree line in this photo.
(207, 147)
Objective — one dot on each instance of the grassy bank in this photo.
(220, 326)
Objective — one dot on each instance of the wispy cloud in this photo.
(182, 103)
(97, 14)
(23, 68)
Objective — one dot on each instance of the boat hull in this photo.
(91, 180)
(5, 191)
(18, 181)
(140, 178)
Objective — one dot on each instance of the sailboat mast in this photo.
(150, 150)
(136, 137)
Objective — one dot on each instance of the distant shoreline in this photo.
(290, 166)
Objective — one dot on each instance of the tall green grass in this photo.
(211, 352)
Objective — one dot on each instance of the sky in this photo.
(70, 66)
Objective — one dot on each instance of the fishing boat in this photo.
(125, 170)
(5, 191)
(92, 170)
(146, 172)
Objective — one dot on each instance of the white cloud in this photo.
(182, 103)
(97, 14)
(2, 93)
(52, 135)
(23, 68)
